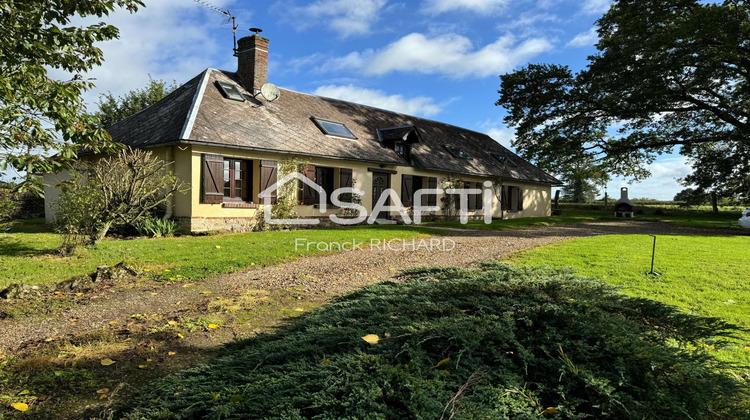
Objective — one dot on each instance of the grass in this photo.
(580, 213)
(703, 275)
(27, 252)
(577, 216)
(63, 377)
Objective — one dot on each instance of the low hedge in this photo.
(496, 342)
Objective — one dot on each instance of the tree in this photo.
(722, 169)
(118, 190)
(692, 197)
(43, 123)
(112, 110)
(667, 74)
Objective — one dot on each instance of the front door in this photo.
(380, 182)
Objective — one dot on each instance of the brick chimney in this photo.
(252, 62)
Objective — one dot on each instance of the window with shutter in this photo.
(237, 180)
(346, 180)
(432, 184)
(324, 178)
(520, 199)
(472, 203)
(268, 177)
(212, 170)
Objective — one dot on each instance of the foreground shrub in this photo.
(495, 343)
(118, 190)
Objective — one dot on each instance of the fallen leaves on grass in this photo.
(20, 406)
(442, 362)
(371, 338)
(213, 326)
(107, 362)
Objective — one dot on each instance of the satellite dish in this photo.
(270, 92)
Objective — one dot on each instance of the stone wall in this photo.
(216, 224)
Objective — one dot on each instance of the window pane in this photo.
(334, 128)
(227, 191)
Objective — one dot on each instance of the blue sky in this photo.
(438, 59)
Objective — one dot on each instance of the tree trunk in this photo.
(98, 236)
(715, 202)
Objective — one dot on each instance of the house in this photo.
(226, 141)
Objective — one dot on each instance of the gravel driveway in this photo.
(321, 276)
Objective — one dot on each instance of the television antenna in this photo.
(226, 13)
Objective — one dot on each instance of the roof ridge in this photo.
(192, 113)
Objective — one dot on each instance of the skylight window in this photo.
(457, 151)
(230, 91)
(505, 160)
(333, 128)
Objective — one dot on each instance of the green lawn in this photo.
(574, 216)
(685, 217)
(27, 252)
(705, 275)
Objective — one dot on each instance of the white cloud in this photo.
(346, 17)
(450, 54)
(502, 135)
(662, 185)
(595, 7)
(478, 6)
(168, 39)
(420, 105)
(584, 39)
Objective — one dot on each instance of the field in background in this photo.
(578, 213)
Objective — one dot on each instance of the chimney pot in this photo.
(252, 62)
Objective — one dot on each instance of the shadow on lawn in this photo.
(72, 377)
(12, 247)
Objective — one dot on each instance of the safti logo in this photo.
(381, 206)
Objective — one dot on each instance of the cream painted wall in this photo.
(188, 166)
(52, 193)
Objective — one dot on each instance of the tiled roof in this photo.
(198, 112)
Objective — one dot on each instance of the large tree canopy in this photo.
(667, 73)
(40, 116)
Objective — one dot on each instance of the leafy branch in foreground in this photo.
(43, 123)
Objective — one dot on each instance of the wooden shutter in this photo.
(505, 198)
(212, 174)
(345, 181)
(520, 199)
(308, 195)
(407, 190)
(479, 197)
(432, 198)
(268, 175)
